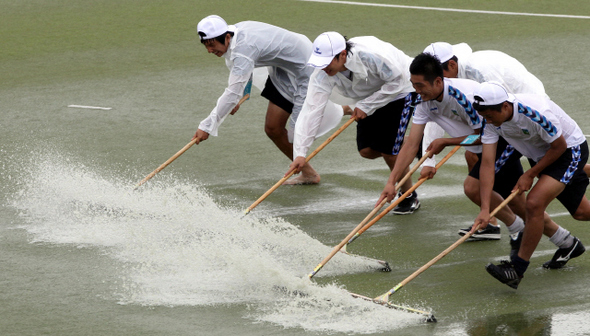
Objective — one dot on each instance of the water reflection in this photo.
(532, 324)
(511, 324)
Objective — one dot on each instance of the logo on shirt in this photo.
(525, 131)
(317, 50)
(455, 112)
(433, 108)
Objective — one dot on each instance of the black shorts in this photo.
(271, 93)
(576, 181)
(379, 130)
(506, 178)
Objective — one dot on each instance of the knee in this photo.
(534, 207)
(581, 215)
(471, 188)
(368, 153)
(518, 207)
(274, 132)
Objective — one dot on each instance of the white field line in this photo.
(91, 107)
(369, 4)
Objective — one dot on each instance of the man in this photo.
(557, 151)
(485, 65)
(374, 74)
(459, 61)
(446, 102)
(248, 45)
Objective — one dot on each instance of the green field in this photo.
(143, 58)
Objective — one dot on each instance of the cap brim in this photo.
(319, 61)
(509, 99)
(448, 58)
(207, 37)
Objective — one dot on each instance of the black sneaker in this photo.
(515, 241)
(407, 206)
(490, 232)
(505, 273)
(562, 255)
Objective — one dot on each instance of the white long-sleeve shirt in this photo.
(491, 65)
(380, 75)
(257, 44)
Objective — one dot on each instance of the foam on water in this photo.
(178, 247)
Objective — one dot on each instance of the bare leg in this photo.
(549, 226)
(506, 214)
(471, 159)
(583, 211)
(274, 126)
(538, 198)
(390, 160)
(372, 154)
(516, 206)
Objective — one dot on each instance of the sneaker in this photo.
(490, 232)
(407, 206)
(562, 255)
(505, 273)
(515, 240)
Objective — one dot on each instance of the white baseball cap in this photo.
(325, 47)
(441, 50)
(491, 93)
(211, 27)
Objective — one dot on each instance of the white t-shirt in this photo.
(380, 75)
(532, 135)
(450, 114)
(257, 44)
(484, 66)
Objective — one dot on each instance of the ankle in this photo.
(520, 265)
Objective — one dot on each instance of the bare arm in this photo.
(486, 183)
(437, 145)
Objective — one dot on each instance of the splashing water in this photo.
(180, 248)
